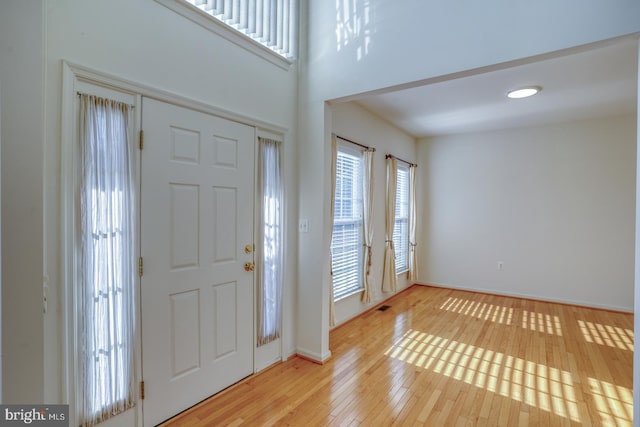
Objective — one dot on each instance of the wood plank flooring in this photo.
(440, 357)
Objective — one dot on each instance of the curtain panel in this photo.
(106, 291)
(270, 260)
(389, 279)
(412, 275)
(367, 202)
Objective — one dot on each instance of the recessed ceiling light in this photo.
(524, 92)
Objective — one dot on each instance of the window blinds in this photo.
(401, 225)
(269, 22)
(347, 241)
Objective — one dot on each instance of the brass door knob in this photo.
(249, 266)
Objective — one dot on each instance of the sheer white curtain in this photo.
(334, 164)
(270, 261)
(413, 258)
(389, 279)
(106, 291)
(367, 202)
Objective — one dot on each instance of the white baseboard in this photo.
(313, 356)
(530, 296)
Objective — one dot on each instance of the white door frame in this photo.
(72, 76)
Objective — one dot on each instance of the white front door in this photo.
(197, 216)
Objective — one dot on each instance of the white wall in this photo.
(139, 40)
(402, 43)
(555, 204)
(21, 71)
(351, 121)
(368, 45)
(313, 247)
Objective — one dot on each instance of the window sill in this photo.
(402, 272)
(223, 30)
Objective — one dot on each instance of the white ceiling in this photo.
(598, 82)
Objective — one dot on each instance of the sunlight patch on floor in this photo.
(614, 403)
(608, 335)
(541, 322)
(543, 387)
(481, 310)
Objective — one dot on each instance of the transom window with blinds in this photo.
(271, 23)
(347, 241)
(401, 225)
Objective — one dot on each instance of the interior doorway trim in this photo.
(73, 72)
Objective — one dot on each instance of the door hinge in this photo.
(140, 267)
(141, 390)
(141, 139)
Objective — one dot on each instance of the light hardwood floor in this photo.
(442, 357)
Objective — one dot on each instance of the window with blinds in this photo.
(347, 241)
(271, 23)
(401, 226)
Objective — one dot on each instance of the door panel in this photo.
(224, 226)
(225, 323)
(197, 198)
(184, 225)
(185, 339)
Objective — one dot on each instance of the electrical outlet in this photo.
(500, 266)
(303, 226)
